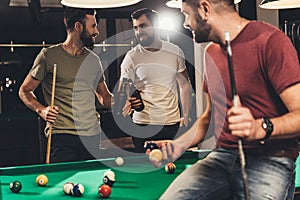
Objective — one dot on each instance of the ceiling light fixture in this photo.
(177, 3)
(98, 3)
(279, 4)
(174, 3)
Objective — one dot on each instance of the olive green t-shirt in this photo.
(76, 82)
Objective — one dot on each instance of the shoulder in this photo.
(91, 53)
(172, 48)
(262, 29)
(53, 49)
(135, 51)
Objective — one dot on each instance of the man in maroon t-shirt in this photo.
(266, 116)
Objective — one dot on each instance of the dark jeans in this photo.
(218, 176)
(68, 148)
(161, 132)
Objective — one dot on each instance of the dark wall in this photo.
(20, 132)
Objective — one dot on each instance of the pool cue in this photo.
(234, 99)
(50, 126)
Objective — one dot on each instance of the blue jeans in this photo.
(218, 176)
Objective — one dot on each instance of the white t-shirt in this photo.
(154, 74)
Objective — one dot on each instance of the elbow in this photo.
(21, 93)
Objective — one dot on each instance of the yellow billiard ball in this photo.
(41, 180)
(155, 155)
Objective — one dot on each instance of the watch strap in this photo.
(267, 125)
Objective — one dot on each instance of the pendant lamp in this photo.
(98, 3)
(279, 4)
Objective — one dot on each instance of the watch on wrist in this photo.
(267, 125)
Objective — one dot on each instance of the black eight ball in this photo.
(15, 186)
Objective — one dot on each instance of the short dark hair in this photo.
(151, 15)
(73, 15)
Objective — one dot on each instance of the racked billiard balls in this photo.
(109, 178)
(15, 186)
(149, 146)
(41, 180)
(170, 168)
(104, 191)
(68, 187)
(77, 190)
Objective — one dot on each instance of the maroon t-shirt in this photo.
(265, 63)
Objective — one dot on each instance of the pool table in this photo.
(136, 179)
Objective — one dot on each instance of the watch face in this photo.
(264, 125)
(267, 125)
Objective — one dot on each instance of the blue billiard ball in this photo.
(77, 190)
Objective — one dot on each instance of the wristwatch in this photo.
(267, 125)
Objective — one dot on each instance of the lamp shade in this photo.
(279, 4)
(177, 3)
(98, 3)
(174, 3)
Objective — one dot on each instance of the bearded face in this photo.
(145, 38)
(198, 26)
(202, 30)
(87, 39)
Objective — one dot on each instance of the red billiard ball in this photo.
(104, 191)
(170, 168)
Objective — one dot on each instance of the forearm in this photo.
(105, 100)
(30, 100)
(104, 96)
(286, 126)
(196, 133)
(185, 98)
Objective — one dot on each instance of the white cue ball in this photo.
(119, 161)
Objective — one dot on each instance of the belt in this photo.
(266, 152)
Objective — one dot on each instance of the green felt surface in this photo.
(297, 180)
(136, 179)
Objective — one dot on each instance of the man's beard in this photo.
(202, 31)
(147, 42)
(87, 39)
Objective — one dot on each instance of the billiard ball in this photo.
(41, 180)
(155, 155)
(15, 186)
(68, 187)
(104, 191)
(109, 178)
(77, 190)
(119, 161)
(170, 168)
(149, 146)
